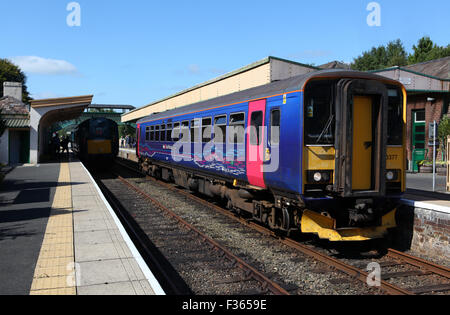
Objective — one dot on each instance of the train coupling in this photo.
(325, 228)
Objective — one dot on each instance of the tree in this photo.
(126, 130)
(426, 50)
(394, 54)
(444, 132)
(9, 72)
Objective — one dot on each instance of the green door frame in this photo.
(418, 142)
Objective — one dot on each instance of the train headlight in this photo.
(392, 175)
(319, 177)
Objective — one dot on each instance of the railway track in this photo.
(425, 276)
(185, 260)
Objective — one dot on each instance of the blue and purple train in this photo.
(322, 153)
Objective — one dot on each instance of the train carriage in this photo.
(96, 140)
(323, 153)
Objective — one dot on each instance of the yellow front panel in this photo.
(99, 146)
(319, 158)
(362, 140)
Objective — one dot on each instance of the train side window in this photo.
(163, 133)
(195, 130)
(176, 132)
(220, 129)
(236, 131)
(206, 130)
(275, 127)
(185, 131)
(256, 121)
(152, 133)
(157, 133)
(147, 133)
(169, 132)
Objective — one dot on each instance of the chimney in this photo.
(13, 89)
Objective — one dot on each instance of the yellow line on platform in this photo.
(55, 268)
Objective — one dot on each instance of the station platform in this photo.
(59, 236)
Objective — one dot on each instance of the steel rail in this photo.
(419, 262)
(165, 278)
(251, 272)
(348, 269)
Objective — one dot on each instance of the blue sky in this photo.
(138, 51)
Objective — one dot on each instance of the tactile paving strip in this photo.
(55, 269)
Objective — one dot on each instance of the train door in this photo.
(255, 143)
(362, 143)
(418, 138)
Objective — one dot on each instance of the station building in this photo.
(15, 117)
(428, 88)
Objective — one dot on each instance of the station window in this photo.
(195, 130)
(156, 133)
(236, 131)
(206, 129)
(152, 133)
(275, 127)
(220, 129)
(256, 122)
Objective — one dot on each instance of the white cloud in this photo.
(39, 65)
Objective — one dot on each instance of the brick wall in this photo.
(433, 111)
(423, 231)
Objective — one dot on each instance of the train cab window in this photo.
(163, 132)
(319, 114)
(169, 132)
(395, 117)
(156, 133)
(152, 133)
(195, 130)
(275, 127)
(206, 130)
(256, 122)
(236, 131)
(220, 129)
(185, 131)
(176, 132)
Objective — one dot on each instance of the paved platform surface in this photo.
(59, 236)
(26, 196)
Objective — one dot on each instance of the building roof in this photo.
(335, 65)
(12, 106)
(435, 69)
(102, 106)
(17, 122)
(51, 102)
(439, 68)
(227, 75)
(296, 83)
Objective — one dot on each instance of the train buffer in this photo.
(59, 236)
